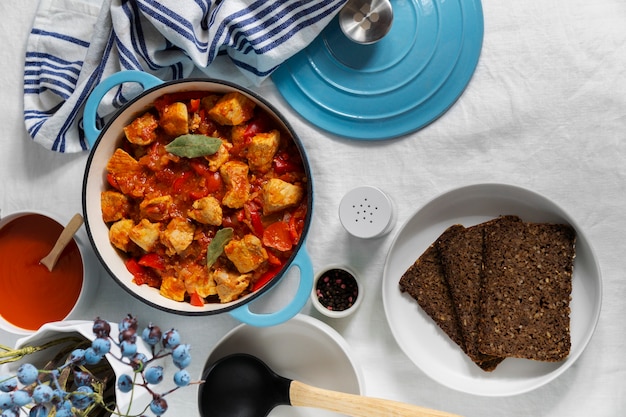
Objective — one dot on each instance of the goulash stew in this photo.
(206, 198)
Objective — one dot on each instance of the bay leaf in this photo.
(216, 246)
(193, 145)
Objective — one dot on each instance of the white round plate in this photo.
(422, 340)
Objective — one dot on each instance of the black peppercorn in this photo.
(336, 289)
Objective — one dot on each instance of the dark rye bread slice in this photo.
(461, 252)
(527, 284)
(424, 282)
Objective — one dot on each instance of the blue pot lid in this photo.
(392, 87)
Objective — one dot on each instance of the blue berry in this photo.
(42, 394)
(181, 356)
(27, 374)
(92, 357)
(127, 335)
(64, 405)
(171, 339)
(59, 395)
(77, 356)
(101, 346)
(6, 401)
(11, 412)
(182, 378)
(39, 410)
(82, 397)
(8, 383)
(151, 335)
(183, 362)
(65, 412)
(128, 323)
(158, 406)
(101, 328)
(154, 374)
(20, 397)
(128, 349)
(125, 383)
(82, 378)
(138, 361)
(181, 352)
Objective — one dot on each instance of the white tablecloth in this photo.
(545, 110)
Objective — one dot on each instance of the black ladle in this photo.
(244, 386)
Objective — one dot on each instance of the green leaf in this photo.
(192, 146)
(216, 247)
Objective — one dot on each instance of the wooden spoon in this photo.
(50, 260)
(244, 386)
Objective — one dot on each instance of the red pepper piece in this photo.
(258, 124)
(277, 235)
(152, 260)
(266, 277)
(179, 183)
(284, 164)
(142, 275)
(112, 181)
(213, 180)
(195, 299)
(194, 105)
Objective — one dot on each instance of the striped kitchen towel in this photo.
(74, 44)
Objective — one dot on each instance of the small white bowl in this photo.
(89, 282)
(303, 349)
(319, 306)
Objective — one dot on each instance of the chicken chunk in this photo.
(206, 210)
(247, 254)
(262, 149)
(157, 208)
(278, 195)
(178, 235)
(127, 172)
(142, 131)
(173, 288)
(235, 176)
(122, 163)
(229, 285)
(115, 206)
(145, 234)
(209, 101)
(197, 279)
(232, 109)
(175, 119)
(119, 234)
(220, 157)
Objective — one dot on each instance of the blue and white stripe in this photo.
(75, 43)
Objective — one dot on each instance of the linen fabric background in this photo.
(545, 110)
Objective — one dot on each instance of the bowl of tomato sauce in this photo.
(197, 197)
(31, 294)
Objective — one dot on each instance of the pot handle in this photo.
(303, 262)
(90, 113)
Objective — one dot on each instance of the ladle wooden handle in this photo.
(66, 236)
(303, 395)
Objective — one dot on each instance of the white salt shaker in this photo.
(366, 212)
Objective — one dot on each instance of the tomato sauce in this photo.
(31, 295)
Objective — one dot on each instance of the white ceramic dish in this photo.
(336, 314)
(132, 403)
(303, 349)
(427, 346)
(90, 279)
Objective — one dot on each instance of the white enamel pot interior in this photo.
(103, 143)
